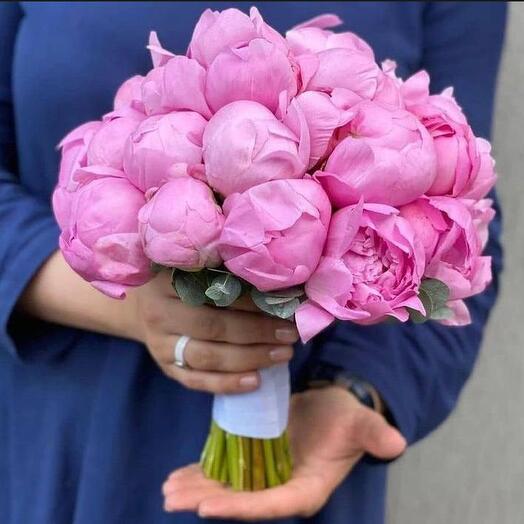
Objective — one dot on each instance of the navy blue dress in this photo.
(89, 427)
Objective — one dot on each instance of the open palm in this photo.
(329, 432)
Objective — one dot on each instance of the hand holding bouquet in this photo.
(293, 170)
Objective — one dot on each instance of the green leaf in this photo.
(224, 289)
(190, 287)
(433, 294)
(416, 316)
(284, 310)
(271, 300)
(436, 292)
(443, 313)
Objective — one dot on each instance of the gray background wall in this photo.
(471, 470)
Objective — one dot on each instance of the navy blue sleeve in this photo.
(28, 232)
(420, 370)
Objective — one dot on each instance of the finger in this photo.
(217, 383)
(376, 436)
(233, 358)
(185, 474)
(162, 281)
(245, 303)
(188, 499)
(189, 477)
(236, 327)
(293, 498)
(187, 487)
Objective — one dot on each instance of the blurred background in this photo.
(471, 470)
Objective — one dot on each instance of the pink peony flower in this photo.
(218, 31)
(181, 224)
(129, 94)
(244, 145)
(274, 233)
(453, 233)
(389, 87)
(74, 155)
(107, 145)
(465, 167)
(258, 71)
(482, 213)
(323, 119)
(371, 269)
(102, 245)
(176, 86)
(162, 143)
(388, 157)
(74, 148)
(351, 73)
(313, 36)
(485, 177)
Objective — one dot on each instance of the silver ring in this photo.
(180, 348)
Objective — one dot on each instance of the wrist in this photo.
(130, 320)
(328, 375)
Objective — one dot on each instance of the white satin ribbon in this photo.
(258, 414)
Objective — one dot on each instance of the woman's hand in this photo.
(329, 431)
(227, 346)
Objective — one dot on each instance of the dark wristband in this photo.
(323, 375)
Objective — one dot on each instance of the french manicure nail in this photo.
(281, 354)
(248, 381)
(289, 335)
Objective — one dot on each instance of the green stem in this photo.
(218, 459)
(210, 455)
(205, 451)
(271, 472)
(258, 474)
(245, 445)
(224, 470)
(283, 466)
(246, 464)
(232, 459)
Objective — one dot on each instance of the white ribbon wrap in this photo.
(259, 414)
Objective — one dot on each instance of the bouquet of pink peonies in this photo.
(293, 169)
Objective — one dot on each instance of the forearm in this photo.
(57, 294)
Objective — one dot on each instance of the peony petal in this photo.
(159, 55)
(323, 21)
(311, 319)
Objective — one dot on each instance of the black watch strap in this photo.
(323, 375)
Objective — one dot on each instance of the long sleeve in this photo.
(28, 232)
(420, 369)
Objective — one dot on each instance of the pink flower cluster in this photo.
(291, 160)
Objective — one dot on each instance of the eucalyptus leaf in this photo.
(436, 292)
(443, 313)
(224, 290)
(284, 310)
(190, 287)
(290, 292)
(272, 300)
(416, 316)
(433, 294)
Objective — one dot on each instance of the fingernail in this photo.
(281, 354)
(249, 381)
(286, 335)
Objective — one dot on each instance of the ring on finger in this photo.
(179, 351)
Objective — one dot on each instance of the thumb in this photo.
(374, 435)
